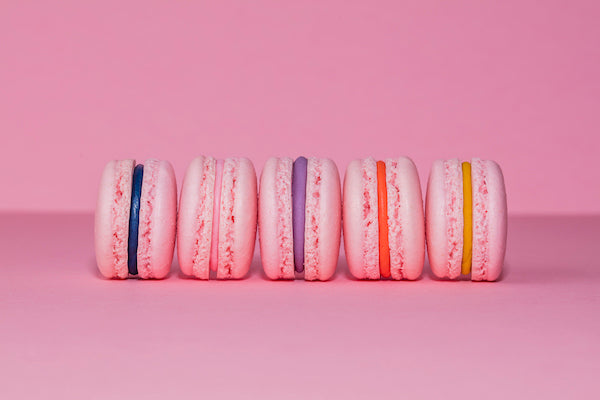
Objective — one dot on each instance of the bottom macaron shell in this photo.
(406, 224)
(275, 219)
(111, 227)
(489, 220)
(444, 218)
(361, 227)
(237, 222)
(323, 219)
(195, 216)
(158, 213)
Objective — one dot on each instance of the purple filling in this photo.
(298, 210)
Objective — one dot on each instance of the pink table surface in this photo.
(67, 333)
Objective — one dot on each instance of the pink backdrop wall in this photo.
(514, 81)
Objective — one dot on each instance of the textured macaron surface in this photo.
(158, 214)
(406, 226)
(275, 218)
(322, 214)
(237, 221)
(445, 219)
(405, 220)
(323, 211)
(361, 227)
(195, 218)
(217, 218)
(111, 228)
(489, 220)
(244, 216)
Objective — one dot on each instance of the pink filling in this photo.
(227, 220)
(202, 247)
(214, 245)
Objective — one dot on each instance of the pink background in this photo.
(514, 81)
(84, 82)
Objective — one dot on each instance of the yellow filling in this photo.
(468, 219)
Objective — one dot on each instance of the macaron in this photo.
(384, 232)
(299, 218)
(136, 219)
(466, 219)
(216, 226)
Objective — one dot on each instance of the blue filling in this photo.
(134, 219)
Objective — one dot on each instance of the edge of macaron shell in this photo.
(360, 219)
(158, 220)
(489, 234)
(237, 221)
(194, 219)
(111, 220)
(406, 224)
(275, 218)
(322, 232)
(444, 219)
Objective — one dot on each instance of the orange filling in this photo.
(468, 219)
(384, 246)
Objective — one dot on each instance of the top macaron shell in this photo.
(157, 222)
(405, 219)
(445, 224)
(237, 218)
(111, 227)
(322, 219)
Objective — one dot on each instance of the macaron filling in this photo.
(382, 218)
(299, 176)
(214, 244)
(468, 219)
(134, 219)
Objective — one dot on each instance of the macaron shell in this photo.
(194, 226)
(275, 218)
(323, 219)
(361, 228)
(111, 227)
(444, 218)
(489, 220)
(237, 223)
(158, 214)
(406, 223)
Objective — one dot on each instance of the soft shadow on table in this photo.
(463, 278)
(348, 275)
(338, 274)
(92, 269)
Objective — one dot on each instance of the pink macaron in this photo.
(383, 219)
(136, 219)
(299, 215)
(216, 228)
(466, 219)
